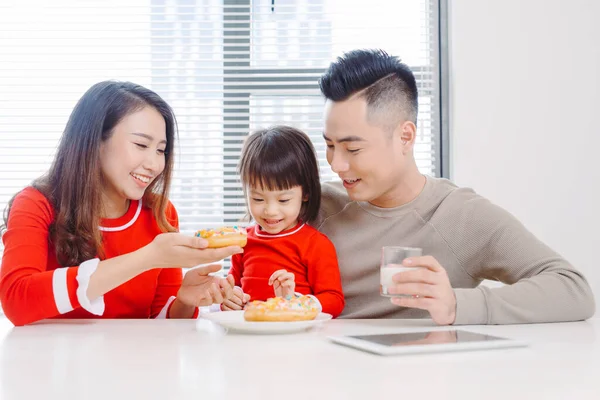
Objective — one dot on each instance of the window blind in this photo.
(226, 67)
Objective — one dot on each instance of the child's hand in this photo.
(237, 301)
(283, 283)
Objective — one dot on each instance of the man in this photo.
(383, 199)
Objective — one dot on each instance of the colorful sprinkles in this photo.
(223, 231)
(289, 303)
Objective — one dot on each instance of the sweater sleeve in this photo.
(541, 286)
(169, 279)
(169, 282)
(30, 292)
(237, 268)
(324, 274)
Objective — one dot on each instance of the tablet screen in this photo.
(423, 338)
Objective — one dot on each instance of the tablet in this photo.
(430, 341)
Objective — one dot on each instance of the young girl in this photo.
(86, 239)
(284, 255)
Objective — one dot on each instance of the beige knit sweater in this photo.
(472, 239)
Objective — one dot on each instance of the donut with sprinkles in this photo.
(279, 309)
(224, 236)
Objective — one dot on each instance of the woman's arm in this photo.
(29, 292)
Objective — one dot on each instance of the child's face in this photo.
(275, 211)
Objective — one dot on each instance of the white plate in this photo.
(234, 321)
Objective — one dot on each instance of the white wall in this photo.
(525, 116)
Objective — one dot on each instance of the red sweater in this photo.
(33, 285)
(301, 250)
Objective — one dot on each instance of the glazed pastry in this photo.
(223, 237)
(296, 308)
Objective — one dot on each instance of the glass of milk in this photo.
(391, 264)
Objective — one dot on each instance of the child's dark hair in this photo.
(279, 158)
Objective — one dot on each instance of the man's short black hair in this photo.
(387, 84)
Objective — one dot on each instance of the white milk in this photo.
(386, 277)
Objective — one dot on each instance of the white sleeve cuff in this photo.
(60, 290)
(86, 269)
(210, 309)
(163, 313)
(320, 307)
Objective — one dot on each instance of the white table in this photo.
(162, 359)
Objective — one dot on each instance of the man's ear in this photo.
(407, 133)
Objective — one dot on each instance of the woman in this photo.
(97, 236)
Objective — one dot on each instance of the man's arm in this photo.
(492, 244)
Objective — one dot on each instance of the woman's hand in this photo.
(200, 289)
(175, 250)
(283, 283)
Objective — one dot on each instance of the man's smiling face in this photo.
(366, 156)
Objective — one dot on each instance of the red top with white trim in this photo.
(302, 250)
(33, 285)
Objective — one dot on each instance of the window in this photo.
(226, 67)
